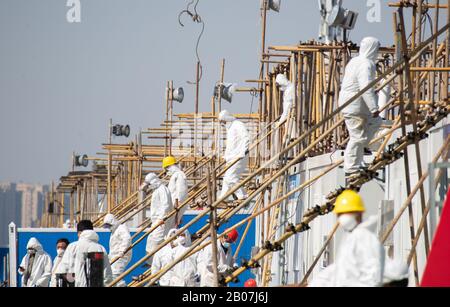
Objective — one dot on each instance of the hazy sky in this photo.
(60, 82)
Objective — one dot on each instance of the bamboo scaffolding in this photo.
(314, 127)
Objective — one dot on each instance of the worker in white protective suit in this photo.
(225, 259)
(178, 186)
(236, 148)
(185, 272)
(360, 258)
(36, 266)
(288, 90)
(162, 258)
(396, 274)
(119, 243)
(362, 116)
(73, 263)
(161, 206)
(61, 246)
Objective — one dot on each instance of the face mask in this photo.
(180, 241)
(348, 222)
(226, 244)
(60, 252)
(170, 171)
(153, 185)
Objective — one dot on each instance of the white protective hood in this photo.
(282, 82)
(110, 219)
(152, 181)
(89, 235)
(34, 243)
(226, 117)
(369, 48)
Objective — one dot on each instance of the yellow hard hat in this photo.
(349, 201)
(168, 161)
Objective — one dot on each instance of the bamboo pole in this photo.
(414, 118)
(213, 231)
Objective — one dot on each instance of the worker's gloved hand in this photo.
(235, 266)
(376, 114)
(223, 268)
(247, 152)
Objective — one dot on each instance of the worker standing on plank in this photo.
(119, 242)
(237, 148)
(362, 116)
(185, 272)
(161, 206)
(225, 259)
(178, 186)
(164, 257)
(288, 90)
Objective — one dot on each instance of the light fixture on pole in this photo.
(335, 20)
(178, 94)
(340, 17)
(81, 160)
(226, 91)
(274, 5)
(121, 130)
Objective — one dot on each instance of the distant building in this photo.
(20, 203)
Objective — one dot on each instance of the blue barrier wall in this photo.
(49, 237)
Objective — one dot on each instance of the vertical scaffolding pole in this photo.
(213, 229)
(109, 198)
(405, 158)
(414, 107)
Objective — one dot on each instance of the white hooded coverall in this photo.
(205, 263)
(360, 123)
(359, 262)
(161, 205)
(119, 242)
(41, 266)
(74, 258)
(178, 188)
(56, 262)
(288, 90)
(237, 146)
(162, 258)
(185, 272)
